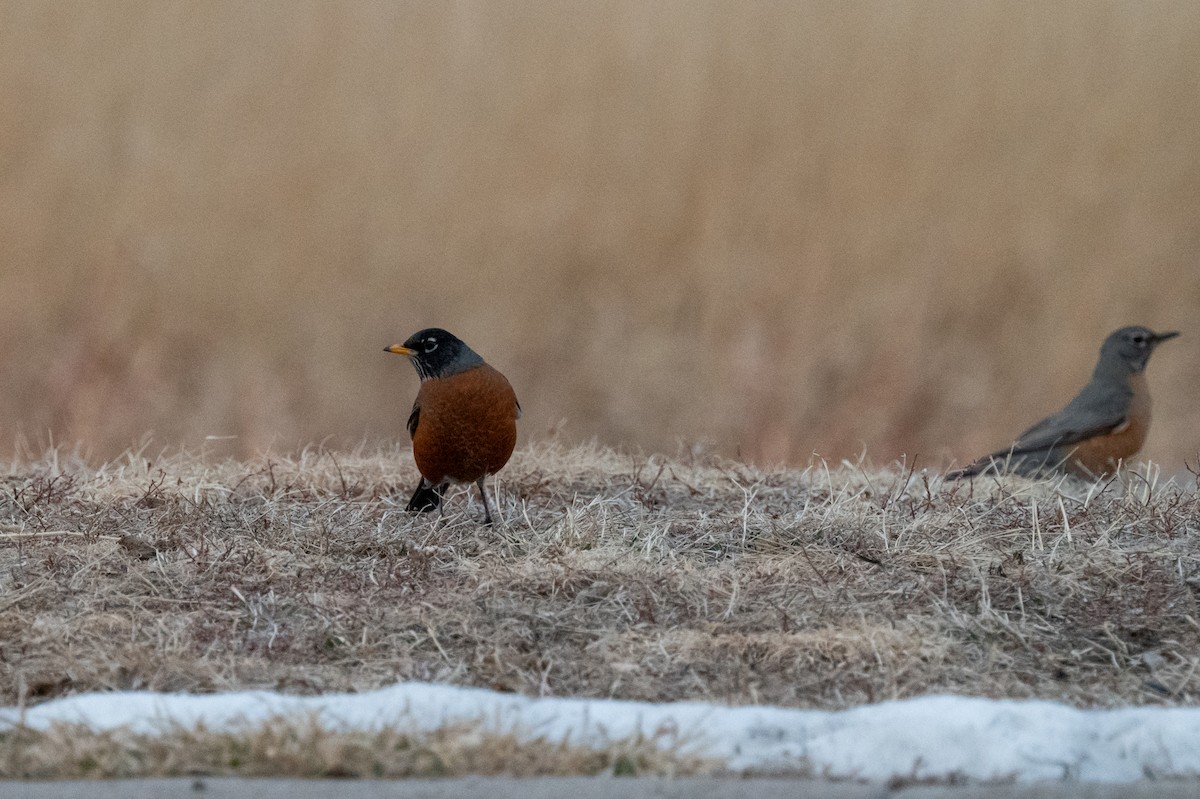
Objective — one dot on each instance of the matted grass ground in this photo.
(291, 748)
(607, 575)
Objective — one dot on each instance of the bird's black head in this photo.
(436, 353)
(1129, 348)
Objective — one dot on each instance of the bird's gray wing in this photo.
(1098, 409)
(413, 418)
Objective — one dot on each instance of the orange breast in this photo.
(1100, 455)
(467, 427)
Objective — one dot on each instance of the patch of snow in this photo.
(932, 737)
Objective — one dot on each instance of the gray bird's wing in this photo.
(1098, 409)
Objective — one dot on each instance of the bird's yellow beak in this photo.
(400, 349)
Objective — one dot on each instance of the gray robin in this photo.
(1105, 424)
(464, 420)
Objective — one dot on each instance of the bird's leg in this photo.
(487, 514)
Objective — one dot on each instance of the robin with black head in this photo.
(1106, 423)
(464, 420)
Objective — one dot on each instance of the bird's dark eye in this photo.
(1139, 339)
(430, 344)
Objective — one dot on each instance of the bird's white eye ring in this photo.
(430, 344)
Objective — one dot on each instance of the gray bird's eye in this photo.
(430, 344)
(1139, 339)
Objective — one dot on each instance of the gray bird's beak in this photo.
(1159, 338)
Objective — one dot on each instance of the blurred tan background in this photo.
(772, 228)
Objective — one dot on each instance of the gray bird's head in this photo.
(436, 353)
(1128, 349)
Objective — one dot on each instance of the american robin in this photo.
(1106, 423)
(464, 420)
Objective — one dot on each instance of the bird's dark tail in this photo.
(970, 470)
(1033, 463)
(426, 498)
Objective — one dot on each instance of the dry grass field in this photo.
(732, 234)
(773, 227)
(607, 575)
